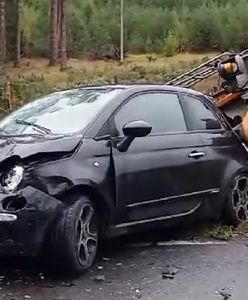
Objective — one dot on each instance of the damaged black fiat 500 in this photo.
(91, 163)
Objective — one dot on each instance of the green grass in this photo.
(223, 232)
(35, 77)
(135, 67)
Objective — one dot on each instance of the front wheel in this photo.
(236, 208)
(76, 236)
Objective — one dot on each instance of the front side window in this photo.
(61, 112)
(161, 110)
(199, 115)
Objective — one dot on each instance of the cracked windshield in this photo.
(75, 107)
(123, 149)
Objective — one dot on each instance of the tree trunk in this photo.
(63, 49)
(19, 32)
(2, 35)
(59, 26)
(53, 51)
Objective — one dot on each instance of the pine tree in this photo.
(53, 47)
(2, 34)
(63, 32)
(19, 32)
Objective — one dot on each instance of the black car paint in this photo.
(129, 188)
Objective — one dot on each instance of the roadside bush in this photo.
(171, 45)
(28, 87)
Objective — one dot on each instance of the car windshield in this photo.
(63, 112)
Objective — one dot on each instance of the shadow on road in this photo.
(33, 271)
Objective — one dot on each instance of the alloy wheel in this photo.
(240, 198)
(86, 235)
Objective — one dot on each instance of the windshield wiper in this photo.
(42, 128)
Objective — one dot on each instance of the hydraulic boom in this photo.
(231, 93)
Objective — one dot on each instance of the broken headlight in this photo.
(12, 178)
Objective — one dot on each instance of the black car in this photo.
(97, 162)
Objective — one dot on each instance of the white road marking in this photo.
(190, 243)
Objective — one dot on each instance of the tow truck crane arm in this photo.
(231, 93)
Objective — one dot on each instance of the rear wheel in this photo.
(236, 210)
(76, 236)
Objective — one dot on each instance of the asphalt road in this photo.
(126, 269)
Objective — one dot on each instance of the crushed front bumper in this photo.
(23, 230)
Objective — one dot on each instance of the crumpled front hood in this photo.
(30, 146)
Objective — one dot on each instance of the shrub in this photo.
(171, 44)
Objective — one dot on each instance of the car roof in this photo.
(147, 87)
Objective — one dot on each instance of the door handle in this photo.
(196, 154)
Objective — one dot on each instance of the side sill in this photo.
(145, 221)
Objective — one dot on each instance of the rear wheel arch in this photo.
(226, 196)
(233, 169)
(228, 182)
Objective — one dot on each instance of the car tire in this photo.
(76, 237)
(236, 206)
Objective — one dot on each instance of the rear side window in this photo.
(199, 115)
(162, 111)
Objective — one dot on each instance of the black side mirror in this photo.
(132, 130)
(136, 129)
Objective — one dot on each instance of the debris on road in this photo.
(99, 278)
(223, 292)
(169, 272)
(138, 293)
(106, 259)
(47, 286)
(10, 295)
(41, 276)
(67, 284)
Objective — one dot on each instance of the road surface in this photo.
(128, 269)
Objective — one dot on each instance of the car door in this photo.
(220, 142)
(160, 175)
